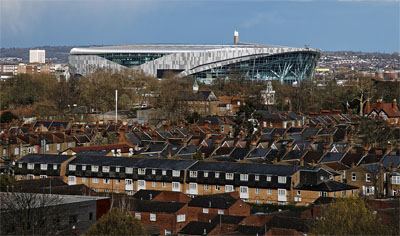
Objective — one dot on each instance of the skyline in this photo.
(369, 26)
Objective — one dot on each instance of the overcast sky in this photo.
(324, 24)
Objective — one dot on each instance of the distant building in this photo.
(37, 56)
(268, 95)
(203, 62)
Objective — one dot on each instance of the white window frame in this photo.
(95, 180)
(268, 178)
(244, 177)
(257, 178)
(20, 165)
(71, 180)
(95, 168)
(282, 179)
(181, 218)
(229, 176)
(205, 210)
(138, 215)
(216, 175)
(141, 183)
(72, 167)
(220, 212)
(54, 166)
(153, 172)
(205, 174)
(269, 191)
(206, 187)
(257, 191)
(368, 177)
(58, 146)
(43, 166)
(176, 173)
(141, 171)
(164, 172)
(153, 217)
(83, 167)
(128, 170)
(117, 169)
(176, 186)
(106, 169)
(193, 174)
(30, 166)
(353, 176)
(153, 184)
(229, 188)
(43, 177)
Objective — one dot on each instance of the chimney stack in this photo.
(236, 38)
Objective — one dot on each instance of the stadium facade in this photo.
(203, 62)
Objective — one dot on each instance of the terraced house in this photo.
(258, 183)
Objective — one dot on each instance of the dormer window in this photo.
(117, 169)
(268, 178)
(257, 178)
(367, 177)
(128, 170)
(106, 169)
(43, 166)
(193, 174)
(141, 171)
(216, 175)
(153, 172)
(20, 165)
(164, 172)
(83, 167)
(72, 167)
(54, 166)
(282, 179)
(95, 168)
(229, 176)
(176, 173)
(31, 166)
(244, 177)
(205, 174)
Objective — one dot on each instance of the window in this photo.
(30, 176)
(54, 167)
(43, 176)
(216, 175)
(353, 176)
(20, 165)
(181, 218)
(206, 187)
(367, 177)
(83, 167)
(220, 212)
(141, 183)
(269, 178)
(31, 166)
(217, 187)
(153, 184)
(106, 169)
(257, 178)
(71, 180)
(229, 176)
(95, 168)
(16, 151)
(269, 191)
(164, 172)
(205, 174)
(176, 187)
(43, 166)
(84, 179)
(153, 217)
(72, 167)
(47, 147)
(128, 170)
(193, 174)
(95, 180)
(58, 147)
(298, 193)
(167, 232)
(205, 210)
(257, 191)
(176, 173)
(141, 171)
(395, 179)
(138, 216)
(323, 194)
(228, 188)
(244, 177)
(117, 169)
(281, 192)
(193, 186)
(106, 181)
(282, 179)
(153, 172)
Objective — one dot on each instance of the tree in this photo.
(116, 222)
(31, 213)
(349, 216)
(7, 117)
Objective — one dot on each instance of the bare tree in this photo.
(31, 213)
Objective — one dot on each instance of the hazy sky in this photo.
(323, 24)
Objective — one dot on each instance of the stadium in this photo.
(203, 62)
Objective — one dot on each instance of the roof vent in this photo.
(235, 38)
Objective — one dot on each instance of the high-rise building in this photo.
(37, 56)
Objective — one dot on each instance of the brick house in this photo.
(389, 112)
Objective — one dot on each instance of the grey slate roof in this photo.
(48, 158)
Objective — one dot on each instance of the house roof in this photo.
(219, 201)
(146, 194)
(197, 228)
(265, 169)
(156, 206)
(47, 158)
(326, 186)
(390, 108)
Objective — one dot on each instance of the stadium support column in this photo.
(116, 106)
